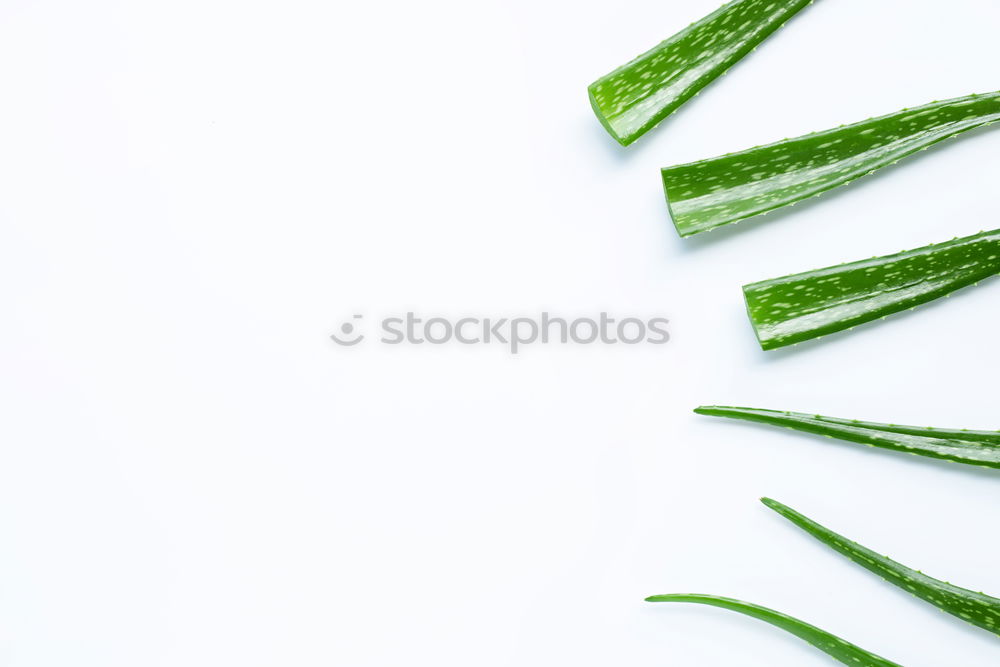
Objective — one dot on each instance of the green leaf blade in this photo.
(834, 646)
(972, 607)
(796, 308)
(719, 191)
(979, 448)
(634, 98)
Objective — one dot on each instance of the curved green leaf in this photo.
(979, 448)
(711, 193)
(975, 608)
(808, 305)
(635, 97)
(834, 646)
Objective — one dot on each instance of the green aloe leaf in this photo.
(808, 305)
(834, 646)
(975, 608)
(978, 448)
(711, 193)
(635, 97)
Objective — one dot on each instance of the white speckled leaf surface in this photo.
(635, 97)
(711, 193)
(808, 305)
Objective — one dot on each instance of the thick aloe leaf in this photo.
(635, 97)
(834, 646)
(816, 303)
(711, 193)
(979, 448)
(975, 608)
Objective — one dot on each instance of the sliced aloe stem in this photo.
(834, 646)
(719, 191)
(978, 448)
(808, 305)
(972, 607)
(635, 97)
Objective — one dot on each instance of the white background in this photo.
(196, 193)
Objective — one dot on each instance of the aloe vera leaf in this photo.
(634, 98)
(808, 305)
(710, 193)
(976, 608)
(978, 448)
(834, 646)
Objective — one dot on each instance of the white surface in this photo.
(197, 193)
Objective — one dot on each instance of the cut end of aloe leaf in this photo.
(599, 112)
(677, 217)
(670, 209)
(687, 220)
(763, 336)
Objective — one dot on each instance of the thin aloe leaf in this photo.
(978, 448)
(834, 646)
(808, 305)
(635, 97)
(711, 193)
(972, 607)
